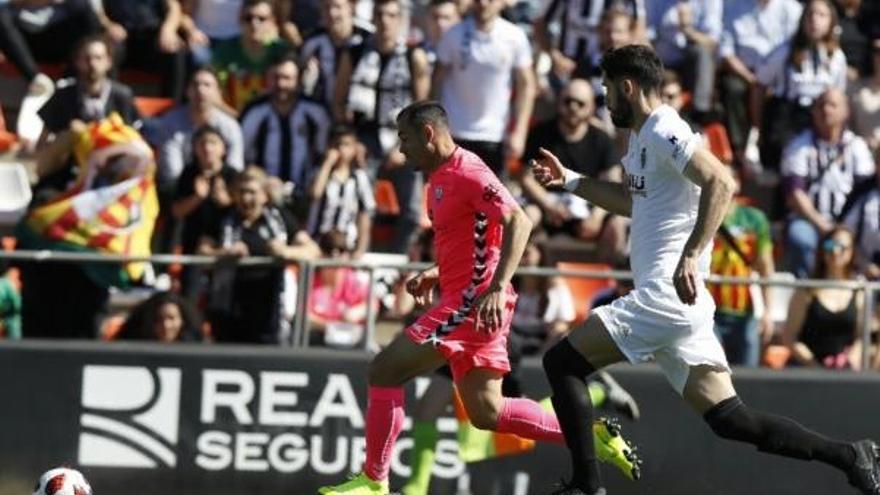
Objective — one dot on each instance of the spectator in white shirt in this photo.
(479, 62)
(795, 74)
(178, 125)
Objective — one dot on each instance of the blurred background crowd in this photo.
(272, 124)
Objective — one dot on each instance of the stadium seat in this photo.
(13, 273)
(719, 142)
(386, 198)
(150, 106)
(7, 139)
(15, 194)
(111, 326)
(781, 296)
(583, 290)
(776, 356)
(514, 167)
(686, 99)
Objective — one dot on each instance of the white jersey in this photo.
(664, 201)
(479, 79)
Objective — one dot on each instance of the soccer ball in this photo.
(62, 481)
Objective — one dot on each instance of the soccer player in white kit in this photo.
(677, 193)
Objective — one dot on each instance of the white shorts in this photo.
(650, 323)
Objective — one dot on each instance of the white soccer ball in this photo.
(62, 481)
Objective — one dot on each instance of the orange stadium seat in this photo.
(14, 275)
(111, 326)
(719, 142)
(150, 106)
(776, 356)
(386, 198)
(686, 99)
(583, 290)
(7, 139)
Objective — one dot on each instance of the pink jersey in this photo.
(331, 303)
(466, 203)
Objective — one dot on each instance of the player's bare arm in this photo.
(611, 196)
(716, 191)
(489, 306)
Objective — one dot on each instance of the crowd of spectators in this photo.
(281, 141)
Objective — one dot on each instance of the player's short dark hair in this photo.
(637, 62)
(424, 113)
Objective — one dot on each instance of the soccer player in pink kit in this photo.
(480, 235)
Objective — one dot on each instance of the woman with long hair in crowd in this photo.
(823, 324)
(796, 74)
(164, 317)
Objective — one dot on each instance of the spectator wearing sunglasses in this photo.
(823, 325)
(241, 62)
(571, 135)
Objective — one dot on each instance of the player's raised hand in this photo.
(547, 169)
(489, 310)
(685, 279)
(421, 287)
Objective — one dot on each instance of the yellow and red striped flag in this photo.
(111, 208)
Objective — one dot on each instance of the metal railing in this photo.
(307, 270)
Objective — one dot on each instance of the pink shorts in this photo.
(453, 334)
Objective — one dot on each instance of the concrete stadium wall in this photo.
(198, 420)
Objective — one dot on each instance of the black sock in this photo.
(731, 419)
(567, 371)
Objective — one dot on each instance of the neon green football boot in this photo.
(613, 449)
(357, 485)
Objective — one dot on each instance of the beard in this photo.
(623, 116)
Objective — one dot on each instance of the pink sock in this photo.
(525, 418)
(384, 422)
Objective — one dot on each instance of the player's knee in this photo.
(484, 417)
(731, 419)
(380, 374)
(564, 360)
